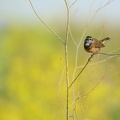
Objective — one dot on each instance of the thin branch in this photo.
(108, 54)
(103, 59)
(82, 69)
(102, 78)
(107, 3)
(66, 60)
(75, 112)
(72, 37)
(73, 3)
(89, 61)
(68, 22)
(47, 26)
(75, 69)
(59, 91)
(97, 62)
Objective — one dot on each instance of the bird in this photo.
(93, 45)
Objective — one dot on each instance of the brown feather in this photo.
(97, 44)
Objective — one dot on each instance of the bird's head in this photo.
(88, 41)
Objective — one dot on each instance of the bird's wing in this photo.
(98, 44)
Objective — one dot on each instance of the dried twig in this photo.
(101, 7)
(102, 78)
(66, 59)
(59, 90)
(73, 3)
(72, 38)
(89, 61)
(82, 70)
(108, 54)
(47, 26)
(114, 55)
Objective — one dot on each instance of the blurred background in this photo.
(32, 59)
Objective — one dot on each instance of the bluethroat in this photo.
(93, 45)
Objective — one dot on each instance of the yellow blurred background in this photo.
(32, 60)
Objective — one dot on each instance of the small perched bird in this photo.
(93, 45)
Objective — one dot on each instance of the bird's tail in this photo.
(105, 39)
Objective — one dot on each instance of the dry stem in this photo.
(88, 62)
(44, 23)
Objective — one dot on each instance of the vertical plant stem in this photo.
(66, 60)
(67, 82)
